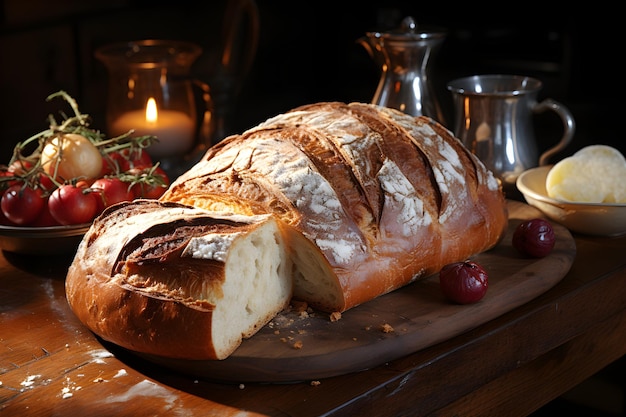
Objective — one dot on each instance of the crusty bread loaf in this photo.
(334, 204)
(179, 282)
(375, 198)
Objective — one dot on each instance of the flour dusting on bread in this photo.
(330, 204)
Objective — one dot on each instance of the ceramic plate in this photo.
(588, 218)
(42, 240)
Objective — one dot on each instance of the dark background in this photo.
(307, 52)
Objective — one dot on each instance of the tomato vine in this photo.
(47, 161)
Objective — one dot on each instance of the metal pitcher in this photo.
(493, 117)
(404, 56)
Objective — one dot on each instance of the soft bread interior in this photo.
(314, 280)
(187, 284)
(257, 285)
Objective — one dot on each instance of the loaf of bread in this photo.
(176, 281)
(377, 198)
(365, 199)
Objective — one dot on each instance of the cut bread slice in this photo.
(176, 281)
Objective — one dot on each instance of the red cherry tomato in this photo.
(16, 170)
(125, 160)
(45, 219)
(46, 182)
(21, 205)
(111, 164)
(112, 191)
(136, 158)
(19, 167)
(70, 204)
(7, 179)
(463, 282)
(156, 190)
(3, 219)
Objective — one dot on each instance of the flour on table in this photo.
(100, 354)
(146, 388)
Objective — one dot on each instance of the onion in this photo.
(70, 155)
(463, 282)
(534, 238)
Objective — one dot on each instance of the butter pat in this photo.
(594, 174)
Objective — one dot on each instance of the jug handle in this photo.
(235, 11)
(363, 41)
(569, 127)
(207, 124)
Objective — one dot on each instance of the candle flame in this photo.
(151, 111)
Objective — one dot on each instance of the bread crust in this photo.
(385, 198)
(359, 199)
(135, 282)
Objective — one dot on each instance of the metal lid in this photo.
(410, 31)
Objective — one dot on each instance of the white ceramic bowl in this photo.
(588, 218)
(50, 240)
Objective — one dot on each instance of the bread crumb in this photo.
(335, 316)
(315, 383)
(386, 328)
(299, 306)
(99, 379)
(298, 344)
(241, 386)
(69, 389)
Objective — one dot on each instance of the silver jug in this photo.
(493, 117)
(403, 56)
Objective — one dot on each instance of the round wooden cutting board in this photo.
(296, 347)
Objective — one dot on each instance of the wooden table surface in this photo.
(512, 365)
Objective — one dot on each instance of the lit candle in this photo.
(173, 129)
